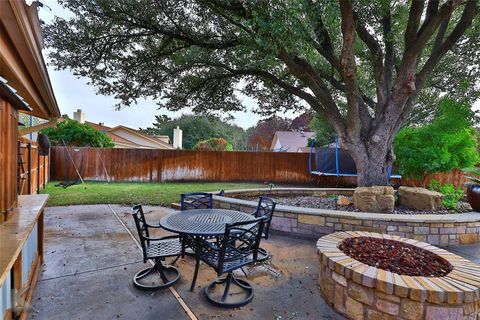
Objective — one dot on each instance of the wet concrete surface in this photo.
(91, 258)
(89, 262)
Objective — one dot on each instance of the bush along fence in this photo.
(145, 165)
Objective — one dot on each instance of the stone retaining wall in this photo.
(363, 292)
(446, 229)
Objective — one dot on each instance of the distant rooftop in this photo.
(291, 141)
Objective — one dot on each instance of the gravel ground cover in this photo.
(330, 202)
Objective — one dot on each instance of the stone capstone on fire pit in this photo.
(360, 291)
(374, 199)
(420, 198)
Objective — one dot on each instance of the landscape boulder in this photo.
(374, 199)
(420, 198)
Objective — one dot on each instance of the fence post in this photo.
(29, 166)
(19, 167)
(38, 171)
(44, 173)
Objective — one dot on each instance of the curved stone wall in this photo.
(445, 229)
(360, 292)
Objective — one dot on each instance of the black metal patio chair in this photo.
(238, 247)
(156, 249)
(196, 200)
(265, 209)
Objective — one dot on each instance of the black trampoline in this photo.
(336, 162)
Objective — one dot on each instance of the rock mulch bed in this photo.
(330, 202)
(395, 256)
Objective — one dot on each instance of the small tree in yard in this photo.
(76, 134)
(262, 133)
(362, 65)
(447, 143)
(214, 144)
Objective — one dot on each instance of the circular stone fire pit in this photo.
(367, 275)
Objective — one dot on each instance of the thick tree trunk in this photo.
(372, 172)
(373, 161)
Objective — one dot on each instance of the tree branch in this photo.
(432, 10)
(469, 12)
(414, 16)
(347, 63)
(377, 57)
(431, 26)
(306, 73)
(441, 33)
(389, 52)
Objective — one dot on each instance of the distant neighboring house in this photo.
(291, 141)
(125, 137)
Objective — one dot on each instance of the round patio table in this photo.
(203, 222)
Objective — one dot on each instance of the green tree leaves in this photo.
(448, 142)
(76, 134)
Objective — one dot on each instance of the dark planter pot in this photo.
(473, 195)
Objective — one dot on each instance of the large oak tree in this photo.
(363, 65)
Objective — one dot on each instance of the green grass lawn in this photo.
(132, 192)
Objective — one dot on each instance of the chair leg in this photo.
(227, 286)
(197, 265)
(245, 273)
(223, 300)
(160, 268)
(176, 259)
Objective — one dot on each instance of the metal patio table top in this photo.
(203, 222)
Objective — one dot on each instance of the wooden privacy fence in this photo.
(145, 165)
(455, 177)
(33, 169)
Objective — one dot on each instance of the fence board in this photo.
(144, 165)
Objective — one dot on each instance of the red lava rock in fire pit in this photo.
(395, 256)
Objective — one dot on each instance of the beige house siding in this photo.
(139, 139)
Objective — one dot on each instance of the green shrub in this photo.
(77, 134)
(447, 143)
(214, 144)
(451, 195)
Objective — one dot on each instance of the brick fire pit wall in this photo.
(360, 292)
(437, 229)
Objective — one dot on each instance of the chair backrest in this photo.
(142, 228)
(196, 200)
(265, 209)
(240, 243)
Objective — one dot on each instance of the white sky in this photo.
(73, 93)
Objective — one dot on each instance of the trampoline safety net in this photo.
(326, 162)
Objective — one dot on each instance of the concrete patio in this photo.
(90, 258)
